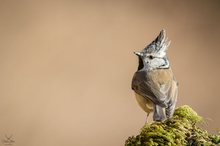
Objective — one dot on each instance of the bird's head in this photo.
(153, 56)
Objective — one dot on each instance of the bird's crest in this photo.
(159, 45)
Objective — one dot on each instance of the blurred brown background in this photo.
(66, 66)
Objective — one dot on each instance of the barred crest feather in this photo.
(160, 44)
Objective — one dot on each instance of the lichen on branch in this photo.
(180, 130)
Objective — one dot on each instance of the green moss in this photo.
(180, 130)
(187, 113)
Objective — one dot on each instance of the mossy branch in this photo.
(180, 130)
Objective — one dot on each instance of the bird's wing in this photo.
(173, 93)
(155, 86)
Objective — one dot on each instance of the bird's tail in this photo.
(159, 113)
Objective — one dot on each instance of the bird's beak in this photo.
(138, 54)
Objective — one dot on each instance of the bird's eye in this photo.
(151, 57)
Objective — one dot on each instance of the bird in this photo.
(154, 83)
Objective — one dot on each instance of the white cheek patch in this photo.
(156, 62)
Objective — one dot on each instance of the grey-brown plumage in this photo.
(153, 83)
